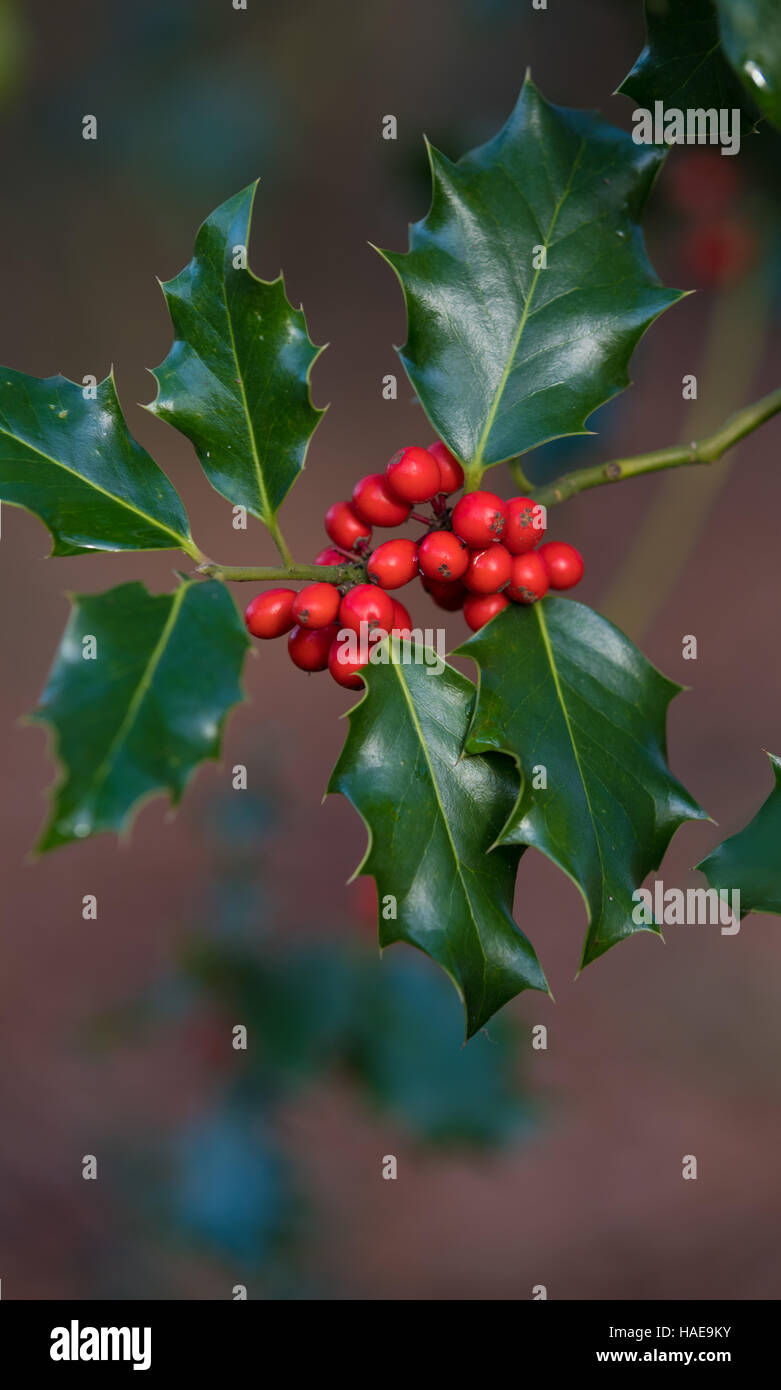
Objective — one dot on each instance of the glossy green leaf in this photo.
(580, 709)
(751, 38)
(73, 463)
(236, 381)
(750, 861)
(432, 817)
(505, 354)
(137, 697)
(683, 63)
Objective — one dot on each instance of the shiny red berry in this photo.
(451, 474)
(524, 524)
(366, 604)
(563, 563)
(345, 666)
(394, 563)
(271, 613)
(330, 556)
(449, 596)
(478, 518)
(345, 528)
(317, 605)
(309, 646)
(479, 609)
(374, 502)
(441, 555)
(529, 579)
(402, 622)
(489, 570)
(413, 475)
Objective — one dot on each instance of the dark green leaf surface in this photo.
(562, 689)
(751, 860)
(137, 719)
(73, 463)
(432, 816)
(683, 63)
(504, 356)
(236, 381)
(751, 37)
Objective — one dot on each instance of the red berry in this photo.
(441, 555)
(529, 579)
(524, 526)
(478, 518)
(344, 666)
(449, 596)
(317, 605)
(374, 502)
(271, 613)
(393, 564)
(564, 564)
(345, 528)
(330, 556)
(451, 474)
(402, 622)
(309, 646)
(413, 475)
(366, 604)
(489, 570)
(703, 184)
(718, 253)
(479, 609)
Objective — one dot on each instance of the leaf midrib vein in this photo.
(265, 505)
(488, 426)
(539, 613)
(89, 482)
(142, 689)
(419, 731)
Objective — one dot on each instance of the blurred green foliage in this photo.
(14, 49)
(314, 1011)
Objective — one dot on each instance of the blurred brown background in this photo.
(657, 1050)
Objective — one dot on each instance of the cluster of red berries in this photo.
(480, 555)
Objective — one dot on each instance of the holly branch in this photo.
(707, 450)
(238, 574)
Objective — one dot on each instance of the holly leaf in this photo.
(751, 36)
(236, 381)
(750, 862)
(137, 697)
(583, 714)
(73, 463)
(432, 816)
(504, 352)
(683, 64)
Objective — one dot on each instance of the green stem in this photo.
(473, 476)
(705, 451)
(519, 477)
(239, 574)
(191, 549)
(279, 541)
